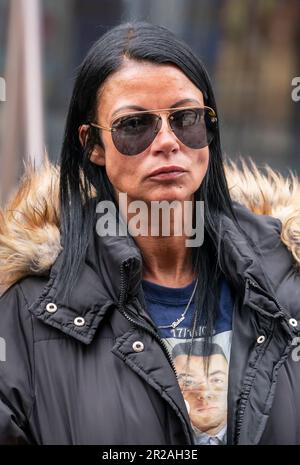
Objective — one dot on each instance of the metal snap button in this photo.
(293, 322)
(51, 307)
(261, 339)
(79, 321)
(138, 346)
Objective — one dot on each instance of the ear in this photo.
(98, 154)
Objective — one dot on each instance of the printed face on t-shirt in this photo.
(204, 390)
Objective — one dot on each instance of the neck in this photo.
(167, 261)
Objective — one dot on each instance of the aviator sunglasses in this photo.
(132, 133)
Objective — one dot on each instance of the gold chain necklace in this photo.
(182, 316)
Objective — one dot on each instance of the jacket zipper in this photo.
(123, 288)
(157, 337)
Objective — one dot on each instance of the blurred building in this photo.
(250, 47)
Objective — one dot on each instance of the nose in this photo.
(204, 392)
(165, 141)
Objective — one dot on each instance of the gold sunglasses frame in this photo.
(169, 111)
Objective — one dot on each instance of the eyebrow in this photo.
(139, 108)
(217, 372)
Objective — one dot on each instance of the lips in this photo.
(205, 409)
(165, 171)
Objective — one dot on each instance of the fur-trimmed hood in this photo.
(29, 225)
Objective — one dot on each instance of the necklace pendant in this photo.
(176, 323)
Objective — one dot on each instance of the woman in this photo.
(137, 338)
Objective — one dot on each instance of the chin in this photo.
(172, 195)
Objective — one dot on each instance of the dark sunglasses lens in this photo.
(190, 128)
(133, 134)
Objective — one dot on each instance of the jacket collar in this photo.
(113, 262)
(110, 263)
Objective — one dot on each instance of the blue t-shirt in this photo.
(203, 385)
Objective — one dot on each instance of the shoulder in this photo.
(267, 205)
(262, 244)
(264, 235)
(29, 227)
(252, 236)
(262, 230)
(22, 319)
(15, 303)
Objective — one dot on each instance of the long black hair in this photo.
(138, 41)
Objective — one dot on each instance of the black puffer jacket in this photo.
(72, 373)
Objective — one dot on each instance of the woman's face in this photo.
(150, 86)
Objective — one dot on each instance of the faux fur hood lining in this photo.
(30, 230)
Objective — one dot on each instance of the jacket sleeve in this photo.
(16, 368)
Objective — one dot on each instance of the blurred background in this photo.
(250, 47)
